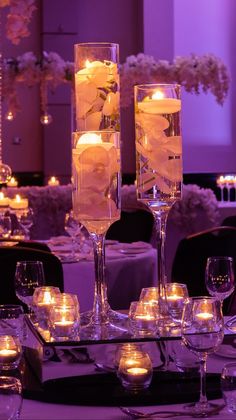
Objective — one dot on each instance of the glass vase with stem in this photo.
(96, 204)
(202, 331)
(159, 163)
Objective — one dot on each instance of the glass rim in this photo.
(95, 132)
(10, 306)
(198, 298)
(144, 86)
(33, 262)
(97, 44)
(220, 257)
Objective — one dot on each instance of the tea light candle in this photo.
(158, 104)
(204, 316)
(13, 182)
(10, 352)
(53, 182)
(4, 201)
(64, 322)
(19, 203)
(43, 299)
(135, 371)
(143, 318)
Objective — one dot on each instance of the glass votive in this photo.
(43, 299)
(67, 299)
(135, 370)
(123, 349)
(149, 294)
(64, 322)
(12, 321)
(143, 318)
(228, 386)
(10, 397)
(10, 352)
(176, 294)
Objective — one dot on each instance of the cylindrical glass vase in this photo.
(97, 86)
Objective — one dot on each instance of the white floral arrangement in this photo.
(195, 73)
(196, 202)
(18, 18)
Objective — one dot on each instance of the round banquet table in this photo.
(126, 275)
(35, 410)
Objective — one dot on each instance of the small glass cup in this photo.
(228, 386)
(143, 318)
(149, 294)
(10, 352)
(64, 322)
(67, 299)
(176, 294)
(43, 299)
(123, 349)
(12, 321)
(10, 397)
(135, 370)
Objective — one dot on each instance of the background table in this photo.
(126, 276)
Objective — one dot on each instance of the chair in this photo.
(229, 221)
(191, 258)
(8, 259)
(28, 244)
(132, 227)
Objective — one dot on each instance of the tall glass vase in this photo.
(158, 162)
(96, 166)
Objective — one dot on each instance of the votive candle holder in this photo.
(10, 352)
(135, 370)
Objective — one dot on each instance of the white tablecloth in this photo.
(126, 275)
(34, 410)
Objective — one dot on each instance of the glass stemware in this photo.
(219, 277)
(10, 397)
(28, 276)
(158, 161)
(96, 204)
(202, 332)
(73, 228)
(5, 227)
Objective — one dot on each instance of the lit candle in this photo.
(158, 104)
(4, 201)
(19, 203)
(174, 298)
(10, 351)
(64, 322)
(13, 182)
(135, 370)
(53, 182)
(204, 316)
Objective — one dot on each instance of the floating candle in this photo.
(13, 182)
(159, 105)
(53, 182)
(4, 201)
(19, 203)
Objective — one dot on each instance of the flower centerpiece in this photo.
(194, 73)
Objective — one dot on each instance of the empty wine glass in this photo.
(28, 276)
(26, 220)
(73, 228)
(5, 227)
(219, 277)
(10, 397)
(202, 332)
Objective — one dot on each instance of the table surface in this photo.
(126, 275)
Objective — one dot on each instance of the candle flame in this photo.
(18, 198)
(158, 95)
(1, 195)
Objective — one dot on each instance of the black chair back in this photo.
(191, 258)
(132, 227)
(8, 258)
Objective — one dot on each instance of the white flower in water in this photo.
(86, 95)
(96, 166)
(94, 205)
(99, 73)
(111, 104)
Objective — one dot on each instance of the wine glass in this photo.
(96, 204)
(73, 228)
(202, 331)
(219, 277)
(28, 276)
(26, 221)
(158, 162)
(10, 397)
(5, 227)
